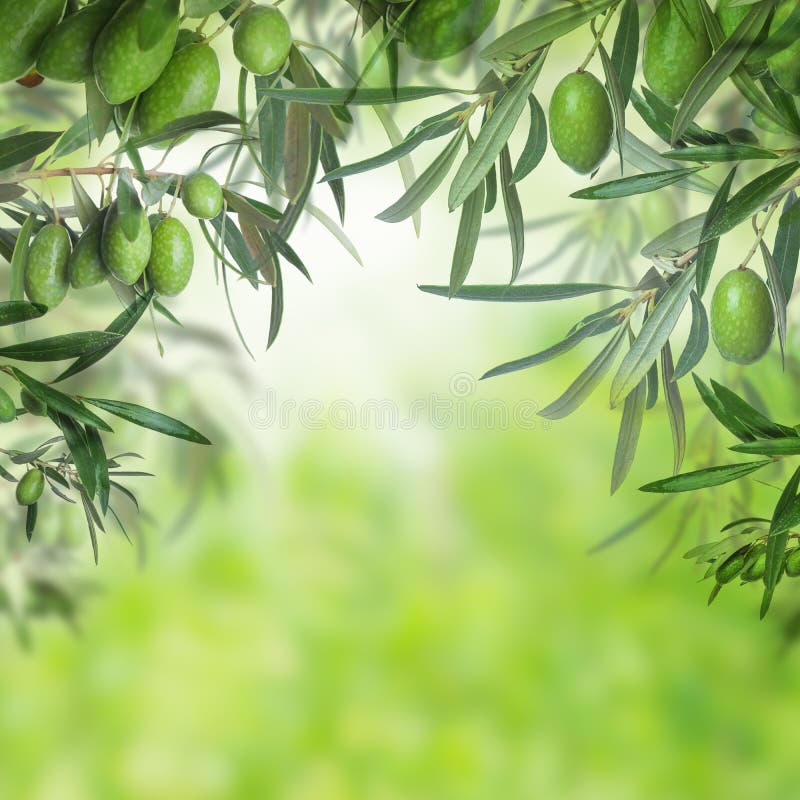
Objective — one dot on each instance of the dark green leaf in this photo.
(58, 348)
(536, 146)
(697, 341)
(635, 184)
(625, 52)
(532, 293)
(787, 244)
(21, 147)
(184, 125)
(707, 252)
(15, 311)
(778, 536)
(147, 418)
(703, 478)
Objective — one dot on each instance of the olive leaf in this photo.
(707, 251)
(785, 514)
(513, 209)
(672, 396)
(271, 125)
(776, 293)
(535, 146)
(628, 437)
(704, 478)
(787, 245)
(696, 342)
(59, 348)
(17, 149)
(625, 51)
(14, 311)
(635, 184)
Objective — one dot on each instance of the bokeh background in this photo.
(367, 607)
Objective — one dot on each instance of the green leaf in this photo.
(718, 68)
(513, 209)
(787, 244)
(776, 293)
(770, 447)
(58, 401)
(85, 207)
(329, 158)
(531, 293)
(58, 348)
(597, 326)
(276, 308)
(749, 199)
(296, 150)
(722, 414)
(271, 125)
(721, 153)
(678, 239)
(75, 437)
(628, 438)
(654, 334)
(469, 228)
(707, 252)
(15, 311)
(625, 52)
(361, 97)
(121, 326)
(535, 146)
(778, 536)
(184, 125)
(426, 184)
(76, 137)
(493, 136)
(635, 184)
(672, 396)
(704, 478)
(618, 103)
(432, 128)
(750, 417)
(304, 78)
(100, 112)
(543, 29)
(697, 341)
(147, 418)
(100, 460)
(21, 147)
(588, 380)
(129, 208)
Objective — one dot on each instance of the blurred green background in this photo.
(366, 610)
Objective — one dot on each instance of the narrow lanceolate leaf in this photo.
(719, 67)
(678, 239)
(427, 183)
(749, 199)
(586, 382)
(17, 149)
(276, 307)
(15, 311)
(329, 158)
(625, 52)
(469, 229)
(271, 125)
(721, 153)
(543, 29)
(697, 341)
(433, 128)
(85, 207)
(493, 136)
(595, 327)
(703, 478)
(652, 337)
(672, 395)
(303, 77)
(532, 293)
(513, 209)
(707, 252)
(59, 348)
(147, 418)
(129, 206)
(618, 103)
(536, 146)
(778, 537)
(770, 447)
(100, 461)
(628, 438)
(758, 425)
(787, 244)
(183, 125)
(635, 184)
(776, 292)
(296, 150)
(58, 401)
(75, 437)
(20, 259)
(121, 326)
(361, 97)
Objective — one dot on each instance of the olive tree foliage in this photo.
(297, 101)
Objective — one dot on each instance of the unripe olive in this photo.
(121, 68)
(785, 64)
(46, 279)
(32, 404)
(437, 29)
(262, 40)
(202, 196)
(188, 85)
(673, 54)
(742, 317)
(581, 122)
(8, 411)
(171, 259)
(125, 260)
(30, 487)
(731, 567)
(756, 564)
(791, 562)
(23, 26)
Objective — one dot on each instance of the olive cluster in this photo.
(177, 76)
(676, 48)
(749, 564)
